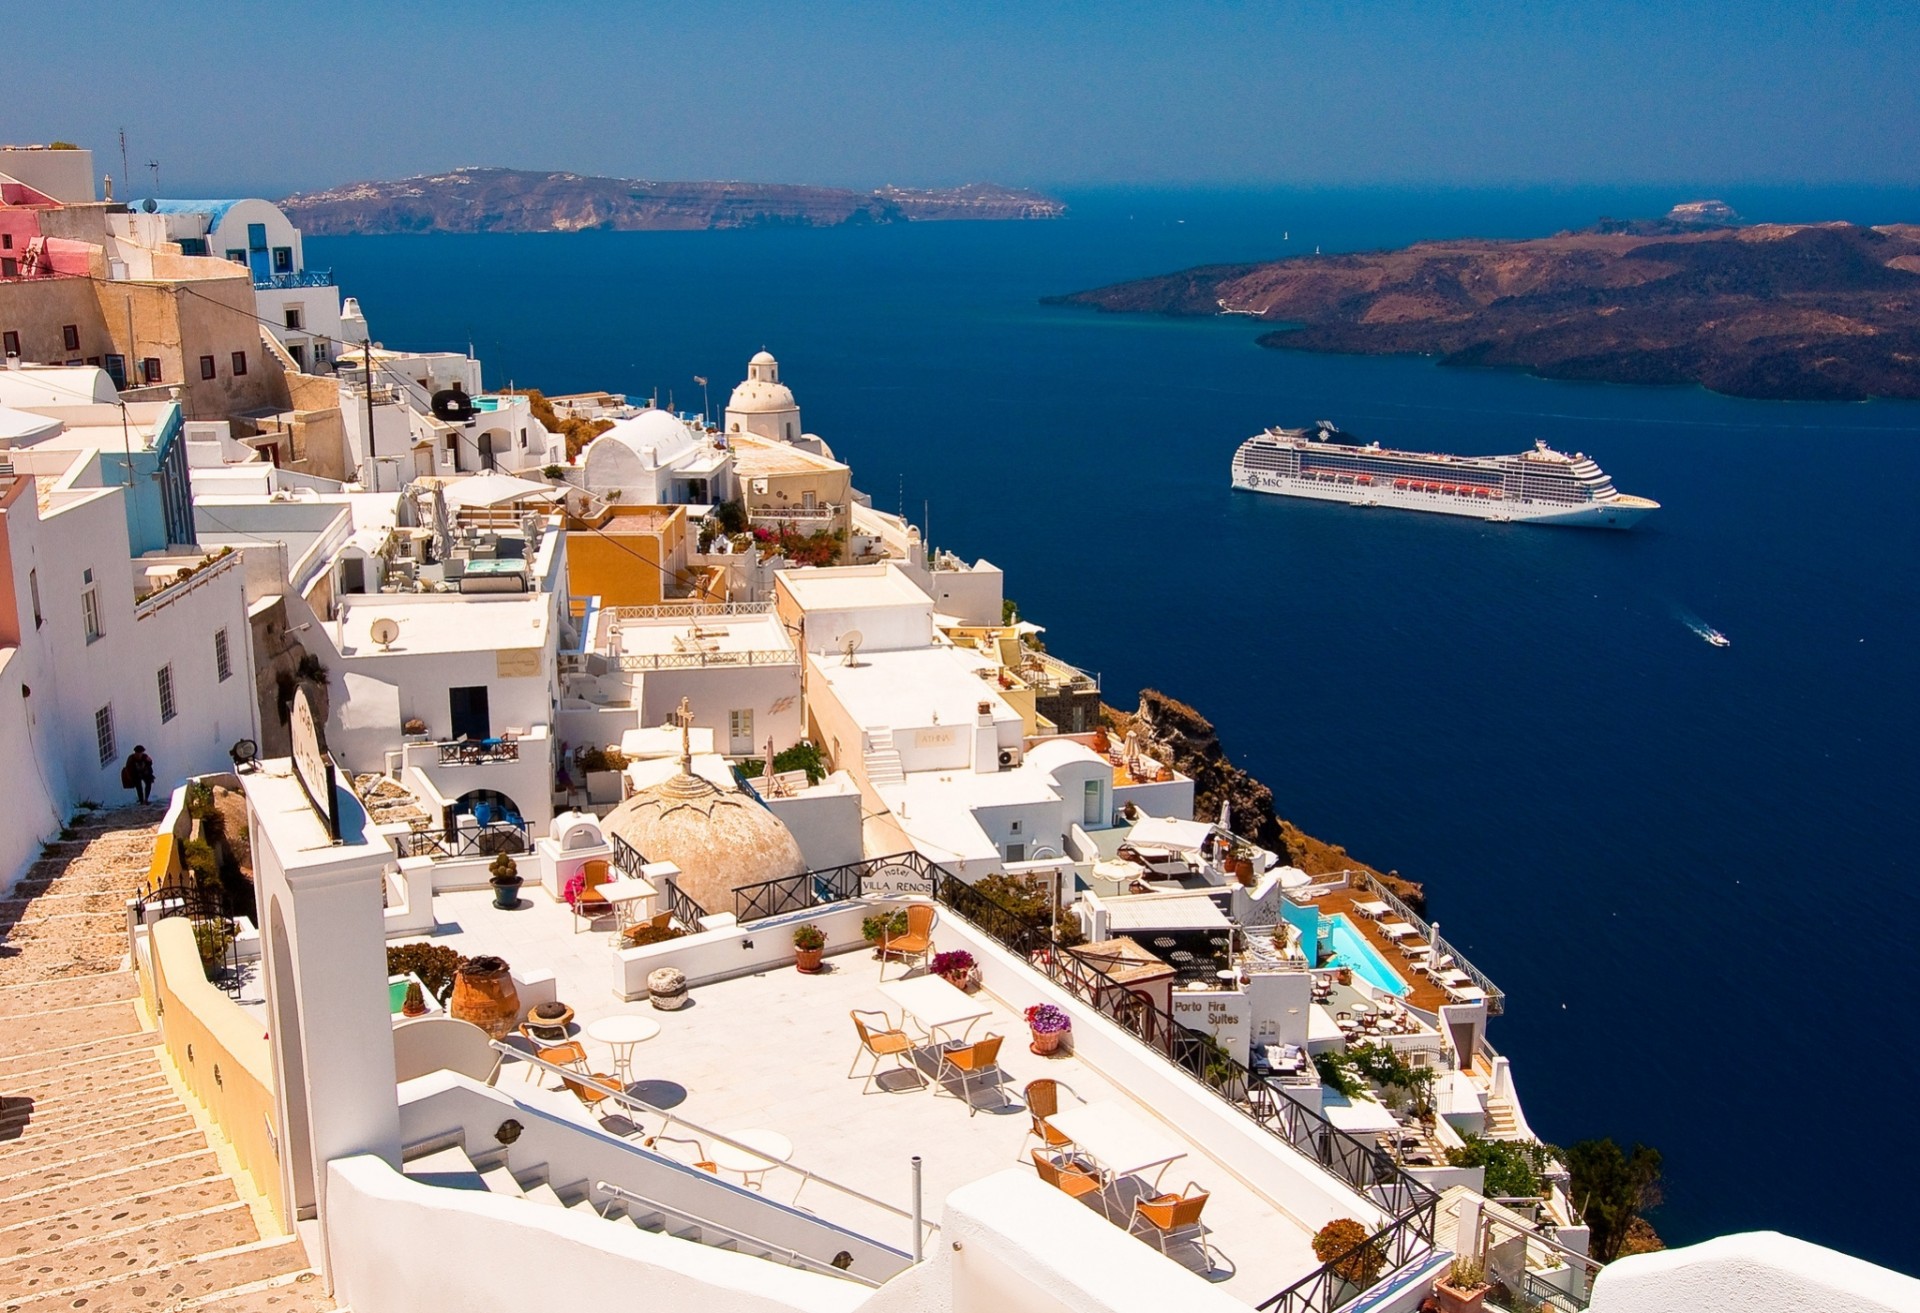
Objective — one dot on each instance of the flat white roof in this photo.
(706, 635)
(913, 687)
(664, 741)
(1184, 911)
(464, 624)
(852, 587)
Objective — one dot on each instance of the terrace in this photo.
(760, 1047)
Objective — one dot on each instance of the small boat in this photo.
(1718, 639)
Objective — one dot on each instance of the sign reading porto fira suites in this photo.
(311, 764)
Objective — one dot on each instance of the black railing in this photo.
(204, 904)
(1407, 1238)
(684, 909)
(480, 841)
(478, 752)
(901, 873)
(626, 856)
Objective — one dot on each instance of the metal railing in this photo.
(479, 841)
(899, 873)
(1496, 998)
(688, 610)
(203, 903)
(699, 660)
(478, 752)
(796, 515)
(793, 1257)
(289, 282)
(668, 1118)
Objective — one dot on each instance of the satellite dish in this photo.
(384, 631)
(148, 205)
(243, 753)
(850, 643)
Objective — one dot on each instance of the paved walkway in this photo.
(112, 1199)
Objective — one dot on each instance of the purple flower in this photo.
(1046, 1019)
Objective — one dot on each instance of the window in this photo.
(90, 605)
(6, 241)
(1016, 852)
(319, 353)
(70, 337)
(222, 658)
(193, 246)
(12, 340)
(740, 731)
(103, 733)
(237, 256)
(94, 361)
(239, 364)
(283, 259)
(9, 267)
(299, 354)
(150, 369)
(206, 366)
(116, 367)
(293, 316)
(166, 694)
(33, 591)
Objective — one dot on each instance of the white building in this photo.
(657, 459)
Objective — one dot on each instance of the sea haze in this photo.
(1686, 866)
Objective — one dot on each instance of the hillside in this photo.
(518, 200)
(1804, 311)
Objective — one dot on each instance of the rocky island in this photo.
(476, 200)
(1827, 311)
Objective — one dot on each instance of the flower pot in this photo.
(506, 892)
(958, 979)
(807, 960)
(483, 993)
(1452, 1299)
(1045, 1042)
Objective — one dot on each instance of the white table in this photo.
(770, 1150)
(936, 1006)
(1372, 911)
(1123, 1143)
(621, 1032)
(624, 893)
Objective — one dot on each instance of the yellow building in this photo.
(629, 555)
(787, 488)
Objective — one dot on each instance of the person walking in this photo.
(137, 774)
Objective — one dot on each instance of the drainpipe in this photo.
(919, 1254)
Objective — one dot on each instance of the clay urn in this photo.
(483, 993)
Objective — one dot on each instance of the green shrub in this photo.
(809, 938)
(1344, 1243)
(875, 928)
(212, 938)
(1336, 1072)
(1513, 1166)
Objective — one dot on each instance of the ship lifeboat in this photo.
(1448, 487)
(1400, 483)
(1482, 492)
(1366, 480)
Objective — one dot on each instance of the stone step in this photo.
(103, 1217)
(293, 1292)
(174, 1285)
(131, 1115)
(75, 1056)
(69, 1028)
(126, 1183)
(80, 1167)
(57, 1114)
(101, 1078)
(37, 997)
(129, 1248)
(54, 1149)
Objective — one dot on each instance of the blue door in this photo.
(258, 261)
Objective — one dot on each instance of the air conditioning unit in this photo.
(1009, 758)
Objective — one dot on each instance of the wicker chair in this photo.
(1172, 1217)
(1071, 1179)
(881, 1039)
(970, 1062)
(916, 941)
(560, 1052)
(590, 904)
(1042, 1098)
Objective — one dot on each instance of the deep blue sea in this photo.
(1690, 869)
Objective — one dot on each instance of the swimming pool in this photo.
(1351, 949)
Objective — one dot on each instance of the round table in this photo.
(770, 1150)
(621, 1032)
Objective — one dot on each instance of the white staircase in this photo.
(451, 1167)
(1501, 1122)
(883, 759)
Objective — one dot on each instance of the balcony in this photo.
(479, 752)
(294, 281)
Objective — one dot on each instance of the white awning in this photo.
(1170, 832)
(1164, 912)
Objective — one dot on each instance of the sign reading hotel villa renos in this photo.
(311, 764)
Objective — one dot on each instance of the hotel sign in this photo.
(312, 767)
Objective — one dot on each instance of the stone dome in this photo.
(720, 839)
(757, 397)
(763, 357)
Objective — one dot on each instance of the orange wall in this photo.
(625, 568)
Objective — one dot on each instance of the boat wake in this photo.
(1706, 631)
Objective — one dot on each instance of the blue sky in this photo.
(263, 99)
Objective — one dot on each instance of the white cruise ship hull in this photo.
(1622, 513)
(1541, 486)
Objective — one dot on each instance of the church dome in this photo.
(720, 839)
(756, 397)
(763, 357)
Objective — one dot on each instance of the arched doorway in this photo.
(290, 1069)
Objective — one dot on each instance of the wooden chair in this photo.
(590, 903)
(662, 921)
(970, 1062)
(916, 941)
(561, 1052)
(881, 1039)
(1042, 1098)
(1174, 1217)
(1071, 1179)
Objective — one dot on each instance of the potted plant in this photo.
(875, 928)
(1464, 1288)
(414, 728)
(1348, 1247)
(1241, 864)
(809, 944)
(1049, 1025)
(955, 966)
(504, 875)
(415, 1003)
(483, 993)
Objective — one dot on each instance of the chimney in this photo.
(986, 745)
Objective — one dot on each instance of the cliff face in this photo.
(1174, 732)
(518, 200)
(1808, 311)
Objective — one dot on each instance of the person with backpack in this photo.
(137, 774)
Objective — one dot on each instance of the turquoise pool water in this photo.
(1351, 949)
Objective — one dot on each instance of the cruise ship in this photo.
(1542, 486)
